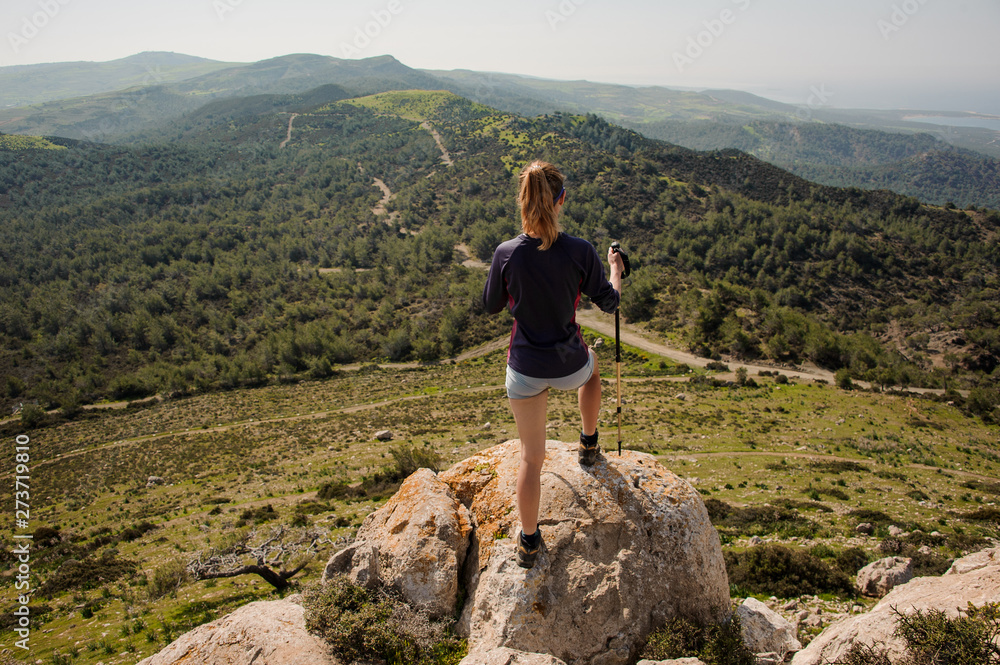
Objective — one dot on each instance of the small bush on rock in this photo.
(363, 625)
(934, 638)
(714, 644)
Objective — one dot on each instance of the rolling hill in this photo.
(272, 239)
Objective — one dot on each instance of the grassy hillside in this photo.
(228, 260)
(797, 464)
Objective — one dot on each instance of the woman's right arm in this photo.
(617, 268)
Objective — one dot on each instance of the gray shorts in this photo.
(520, 386)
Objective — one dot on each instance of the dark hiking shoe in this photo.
(589, 449)
(526, 552)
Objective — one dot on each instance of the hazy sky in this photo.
(941, 54)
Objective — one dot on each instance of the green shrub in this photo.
(377, 625)
(136, 531)
(715, 644)
(758, 520)
(988, 514)
(851, 560)
(934, 638)
(843, 379)
(868, 515)
(167, 579)
(407, 459)
(837, 466)
(257, 515)
(87, 573)
(783, 572)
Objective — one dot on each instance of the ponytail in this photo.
(540, 185)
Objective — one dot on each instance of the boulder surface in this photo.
(420, 538)
(766, 631)
(262, 633)
(627, 546)
(880, 577)
(980, 584)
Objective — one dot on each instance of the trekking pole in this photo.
(617, 249)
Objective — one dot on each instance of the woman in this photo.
(540, 275)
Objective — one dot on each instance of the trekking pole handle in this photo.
(617, 249)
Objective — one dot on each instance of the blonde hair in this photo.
(539, 186)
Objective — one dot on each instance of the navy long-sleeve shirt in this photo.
(542, 289)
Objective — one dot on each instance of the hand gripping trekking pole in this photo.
(617, 249)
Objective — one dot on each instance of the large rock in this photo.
(628, 545)
(975, 562)
(880, 577)
(261, 633)
(978, 586)
(359, 562)
(420, 538)
(764, 630)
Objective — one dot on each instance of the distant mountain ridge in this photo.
(831, 146)
(24, 85)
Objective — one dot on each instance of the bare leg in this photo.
(529, 414)
(589, 397)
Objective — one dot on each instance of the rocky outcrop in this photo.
(415, 543)
(766, 631)
(628, 545)
(675, 661)
(880, 577)
(261, 633)
(979, 584)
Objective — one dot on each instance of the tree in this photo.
(280, 556)
(843, 379)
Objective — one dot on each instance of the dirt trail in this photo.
(469, 354)
(380, 207)
(469, 261)
(819, 457)
(265, 421)
(445, 157)
(290, 121)
(605, 324)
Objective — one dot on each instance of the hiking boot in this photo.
(589, 449)
(527, 553)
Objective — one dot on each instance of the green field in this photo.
(813, 449)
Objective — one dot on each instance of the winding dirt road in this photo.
(289, 138)
(445, 157)
(605, 324)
